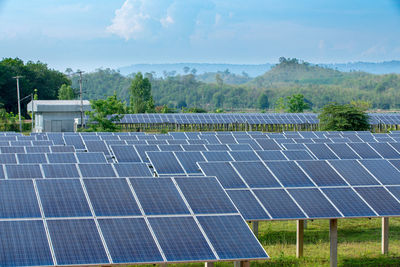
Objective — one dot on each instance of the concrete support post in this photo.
(333, 242)
(241, 264)
(254, 225)
(385, 235)
(300, 238)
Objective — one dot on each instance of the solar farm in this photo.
(136, 198)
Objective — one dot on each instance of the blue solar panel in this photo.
(247, 205)
(96, 170)
(18, 199)
(244, 155)
(256, 174)
(188, 160)
(170, 147)
(240, 147)
(24, 243)
(217, 147)
(321, 151)
(63, 198)
(181, 239)
(37, 149)
(364, 150)
(279, 204)
(60, 171)
(91, 157)
(31, 158)
(7, 159)
(74, 140)
(321, 173)
(165, 163)
(395, 163)
(314, 203)
(158, 196)
(26, 171)
(129, 240)
(132, 170)
(294, 146)
(141, 149)
(297, 154)
(217, 156)
(223, 231)
(111, 197)
(348, 202)
(343, 151)
(380, 200)
(76, 242)
(125, 154)
(205, 195)
(194, 148)
(386, 151)
(270, 155)
(268, 144)
(62, 149)
(353, 172)
(224, 172)
(383, 170)
(96, 146)
(289, 174)
(61, 158)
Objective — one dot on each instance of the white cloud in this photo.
(168, 20)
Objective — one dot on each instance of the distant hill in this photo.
(253, 70)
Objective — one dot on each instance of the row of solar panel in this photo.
(66, 170)
(103, 221)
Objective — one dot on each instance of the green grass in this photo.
(359, 244)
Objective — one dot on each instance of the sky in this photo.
(94, 34)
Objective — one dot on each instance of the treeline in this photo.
(35, 75)
(319, 85)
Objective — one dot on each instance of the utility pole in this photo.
(80, 88)
(19, 104)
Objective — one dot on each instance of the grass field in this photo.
(359, 243)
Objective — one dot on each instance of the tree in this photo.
(262, 101)
(219, 80)
(186, 69)
(296, 103)
(336, 117)
(141, 100)
(66, 92)
(193, 71)
(104, 114)
(361, 104)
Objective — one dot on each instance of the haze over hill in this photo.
(254, 70)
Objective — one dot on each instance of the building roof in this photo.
(58, 105)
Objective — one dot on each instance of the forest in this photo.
(232, 92)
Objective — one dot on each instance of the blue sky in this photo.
(113, 33)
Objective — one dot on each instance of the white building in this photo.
(56, 115)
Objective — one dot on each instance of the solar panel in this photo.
(96, 170)
(255, 174)
(217, 147)
(67, 237)
(383, 171)
(170, 147)
(353, 172)
(267, 144)
(244, 155)
(158, 196)
(294, 146)
(142, 149)
(386, 151)
(60, 171)
(125, 154)
(165, 163)
(343, 151)
(111, 197)
(129, 240)
(225, 230)
(188, 159)
(91, 157)
(194, 148)
(279, 204)
(7, 159)
(37, 149)
(289, 174)
(181, 239)
(12, 149)
(18, 200)
(217, 156)
(61, 157)
(26, 244)
(74, 140)
(63, 198)
(26, 171)
(364, 150)
(31, 158)
(97, 146)
(314, 203)
(348, 202)
(224, 172)
(205, 195)
(322, 173)
(297, 154)
(62, 149)
(321, 151)
(226, 139)
(380, 200)
(247, 205)
(240, 147)
(132, 170)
